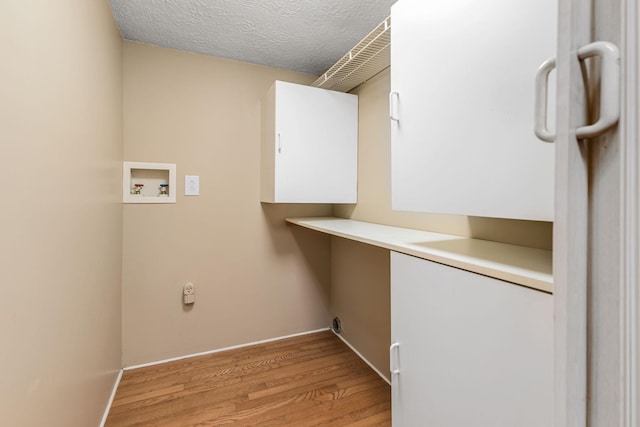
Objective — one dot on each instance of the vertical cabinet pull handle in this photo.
(541, 97)
(393, 359)
(609, 88)
(279, 143)
(393, 106)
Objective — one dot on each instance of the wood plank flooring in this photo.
(309, 380)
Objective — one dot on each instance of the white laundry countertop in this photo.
(517, 264)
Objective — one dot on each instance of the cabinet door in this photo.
(463, 72)
(472, 350)
(316, 145)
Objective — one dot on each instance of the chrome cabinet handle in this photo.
(541, 98)
(279, 143)
(609, 88)
(392, 366)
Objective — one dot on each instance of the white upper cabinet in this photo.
(309, 145)
(462, 91)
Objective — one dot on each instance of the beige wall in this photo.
(255, 277)
(360, 298)
(61, 217)
(352, 299)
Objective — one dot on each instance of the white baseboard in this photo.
(363, 358)
(204, 353)
(113, 395)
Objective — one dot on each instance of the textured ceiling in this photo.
(299, 35)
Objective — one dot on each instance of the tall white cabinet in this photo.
(468, 350)
(309, 151)
(462, 102)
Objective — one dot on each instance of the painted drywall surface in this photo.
(61, 216)
(360, 298)
(350, 275)
(255, 277)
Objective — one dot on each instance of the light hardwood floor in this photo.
(303, 381)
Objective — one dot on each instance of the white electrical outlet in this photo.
(191, 185)
(189, 293)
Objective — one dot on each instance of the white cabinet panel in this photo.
(472, 350)
(309, 145)
(463, 72)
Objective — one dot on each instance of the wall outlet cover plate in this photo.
(191, 185)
